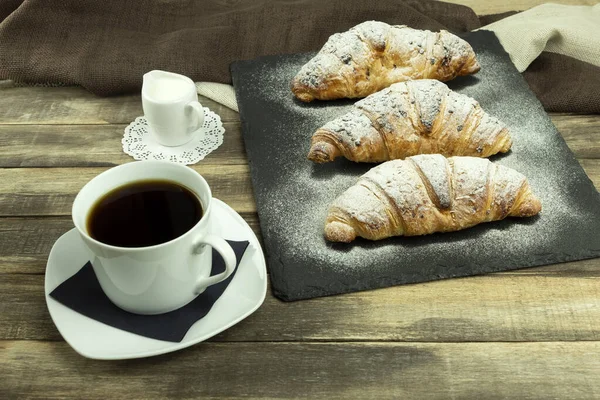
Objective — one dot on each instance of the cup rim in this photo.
(175, 100)
(202, 220)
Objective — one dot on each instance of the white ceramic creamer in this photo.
(171, 107)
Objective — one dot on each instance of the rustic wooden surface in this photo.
(526, 334)
(531, 333)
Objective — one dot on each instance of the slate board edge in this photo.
(272, 257)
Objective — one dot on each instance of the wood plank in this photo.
(592, 169)
(90, 145)
(317, 370)
(100, 145)
(26, 242)
(580, 132)
(498, 6)
(75, 105)
(51, 191)
(552, 303)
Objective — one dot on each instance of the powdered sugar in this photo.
(399, 180)
(387, 108)
(353, 127)
(394, 198)
(436, 170)
(373, 55)
(422, 116)
(376, 33)
(428, 96)
(293, 194)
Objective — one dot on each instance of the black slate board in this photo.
(292, 194)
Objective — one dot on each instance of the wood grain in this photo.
(51, 191)
(100, 145)
(496, 6)
(316, 370)
(580, 132)
(592, 169)
(75, 105)
(551, 303)
(90, 145)
(26, 242)
(515, 332)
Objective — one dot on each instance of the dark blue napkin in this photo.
(82, 293)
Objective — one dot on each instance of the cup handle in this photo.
(199, 111)
(225, 250)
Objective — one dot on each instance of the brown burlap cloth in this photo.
(107, 45)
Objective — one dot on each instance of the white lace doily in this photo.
(139, 144)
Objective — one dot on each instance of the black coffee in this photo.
(144, 213)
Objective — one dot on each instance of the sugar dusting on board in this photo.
(293, 194)
(301, 184)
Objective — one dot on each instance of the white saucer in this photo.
(93, 339)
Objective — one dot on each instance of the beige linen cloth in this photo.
(573, 31)
(219, 92)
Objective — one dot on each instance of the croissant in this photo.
(428, 193)
(373, 55)
(409, 118)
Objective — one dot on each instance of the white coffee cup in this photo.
(161, 278)
(171, 107)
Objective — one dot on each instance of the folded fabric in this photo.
(82, 293)
(219, 92)
(571, 34)
(564, 84)
(572, 31)
(107, 45)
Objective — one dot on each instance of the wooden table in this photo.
(533, 333)
(528, 334)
